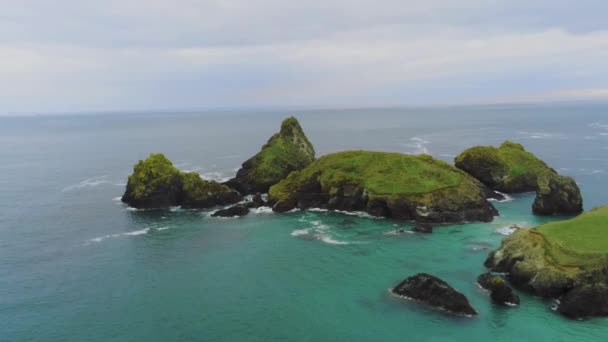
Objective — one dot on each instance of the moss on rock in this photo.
(200, 193)
(557, 194)
(156, 183)
(511, 169)
(286, 151)
(385, 184)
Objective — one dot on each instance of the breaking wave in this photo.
(139, 232)
(319, 231)
(87, 183)
(507, 198)
(418, 145)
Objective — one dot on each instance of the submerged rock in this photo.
(235, 210)
(156, 183)
(434, 292)
(286, 151)
(383, 184)
(423, 228)
(564, 260)
(500, 292)
(512, 169)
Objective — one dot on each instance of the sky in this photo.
(106, 55)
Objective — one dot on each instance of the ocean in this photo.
(78, 265)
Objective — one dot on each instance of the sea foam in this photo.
(87, 183)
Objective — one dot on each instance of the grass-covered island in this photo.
(564, 259)
(384, 184)
(511, 169)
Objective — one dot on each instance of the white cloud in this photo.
(79, 55)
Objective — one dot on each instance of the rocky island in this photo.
(393, 185)
(156, 183)
(566, 260)
(511, 169)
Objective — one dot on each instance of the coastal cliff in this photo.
(567, 260)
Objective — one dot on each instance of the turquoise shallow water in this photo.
(77, 265)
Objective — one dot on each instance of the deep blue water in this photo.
(77, 265)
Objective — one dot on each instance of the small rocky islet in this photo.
(511, 169)
(566, 260)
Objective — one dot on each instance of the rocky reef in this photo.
(500, 292)
(156, 183)
(567, 260)
(511, 169)
(233, 211)
(392, 185)
(286, 151)
(434, 292)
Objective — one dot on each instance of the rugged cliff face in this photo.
(156, 183)
(565, 259)
(512, 169)
(385, 184)
(286, 151)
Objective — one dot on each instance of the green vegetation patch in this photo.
(286, 151)
(581, 241)
(152, 174)
(197, 189)
(509, 166)
(379, 173)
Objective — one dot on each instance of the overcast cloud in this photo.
(69, 55)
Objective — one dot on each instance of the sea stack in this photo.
(286, 151)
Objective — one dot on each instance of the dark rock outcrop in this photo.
(256, 201)
(557, 195)
(286, 151)
(500, 292)
(423, 228)
(434, 292)
(156, 183)
(589, 297)
(235, 210)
